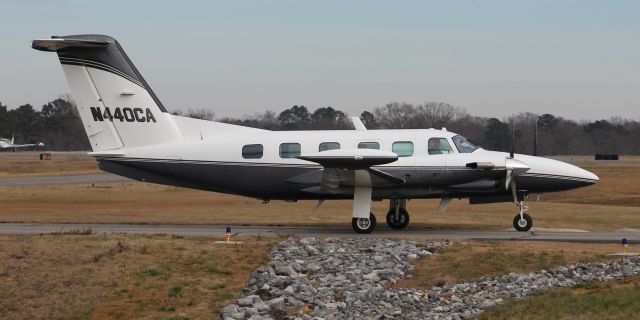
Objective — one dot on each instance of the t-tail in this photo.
(117, 107)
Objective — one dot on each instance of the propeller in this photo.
(513, 168)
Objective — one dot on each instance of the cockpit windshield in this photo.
(463, 145)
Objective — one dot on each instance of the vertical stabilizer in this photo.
(117, 106)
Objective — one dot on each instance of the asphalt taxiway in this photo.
(632, 236)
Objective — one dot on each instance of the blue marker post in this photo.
(625, 245)
(229, 234)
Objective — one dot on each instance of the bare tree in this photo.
(437, 114)
(395, 115)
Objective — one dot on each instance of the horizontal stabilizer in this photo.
(54, 44)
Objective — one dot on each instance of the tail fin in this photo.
(116, 105)
(12, 137)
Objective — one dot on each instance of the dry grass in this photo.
(29, 164)
(147, 203)
(605, 300)
(618, 185)
(122, 277)
(471, 260)
(611, 204)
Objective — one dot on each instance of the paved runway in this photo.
(268, 231)
(78, 178)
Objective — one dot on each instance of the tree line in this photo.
(58, 125)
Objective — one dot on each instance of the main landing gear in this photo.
(522, 221)
(364, 225)
(397, 216)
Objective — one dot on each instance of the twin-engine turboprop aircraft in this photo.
(133, 135)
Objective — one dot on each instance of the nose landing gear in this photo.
(522, 221)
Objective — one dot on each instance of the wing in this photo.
(345, 169)
(23, 145)
(349, 172)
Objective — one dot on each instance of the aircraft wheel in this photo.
(364, 225)
(403, 219)
(522, 224)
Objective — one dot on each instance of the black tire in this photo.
(524, 225)
(403, 219)
(359, 226)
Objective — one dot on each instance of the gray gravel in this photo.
(349, 279)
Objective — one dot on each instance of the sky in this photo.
(575, 59)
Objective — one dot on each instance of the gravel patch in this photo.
(336, 278)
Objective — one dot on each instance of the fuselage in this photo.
(5, 143)
(262, 164)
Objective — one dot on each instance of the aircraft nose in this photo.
(548, 175)
(588, 176)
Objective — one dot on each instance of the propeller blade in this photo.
(317, 206)
(513, 168)
(444, 204)
(514, 191)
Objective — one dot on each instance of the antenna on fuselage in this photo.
(513, 138)
(535, 138)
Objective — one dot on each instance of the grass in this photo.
(83, 275)
(591, 208)
(162, 276)
(617, 186)
(137, 202)
(468, 261)
(605, 300)
(121, 276)
(29, 164)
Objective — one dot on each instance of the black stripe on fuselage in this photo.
(97, 65)
(268, 180)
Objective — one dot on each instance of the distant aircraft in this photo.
(133, 135)
(6, 144)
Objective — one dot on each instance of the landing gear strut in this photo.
(397, 217)
(364, 225)
(522, 221)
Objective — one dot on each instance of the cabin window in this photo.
(439, 146)
(252, 151)
(369, 145)
(402, 148)
(289, 150)
(329, 146)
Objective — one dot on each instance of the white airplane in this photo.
(133, 135)
(6, 144)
